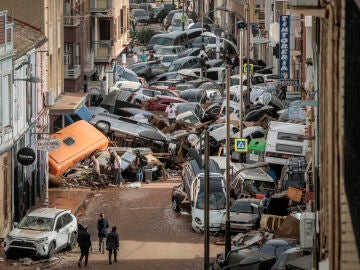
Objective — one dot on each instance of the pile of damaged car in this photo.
(266, 194)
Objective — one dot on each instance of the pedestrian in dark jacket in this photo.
(102, 226)
(112, 244)
(84, 242)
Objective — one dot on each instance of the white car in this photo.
(125, 86)
(42, 233)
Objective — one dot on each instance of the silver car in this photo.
(244, 215)
(124, 128)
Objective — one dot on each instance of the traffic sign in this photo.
(290, 82)
(48, 144)
(248, 68)
(241, 145)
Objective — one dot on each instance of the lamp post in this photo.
(227, 223)
(212, 35)
(241, 25)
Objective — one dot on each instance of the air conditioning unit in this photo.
(49, 98)
(307, 229)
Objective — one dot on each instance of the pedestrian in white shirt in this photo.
(171, 113)
(117, 166)
(135, 58)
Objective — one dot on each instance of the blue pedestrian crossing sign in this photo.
(241, 145)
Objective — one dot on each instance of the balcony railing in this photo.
(103, 50)
(71, 20)
(6, 34)
(99, 6)
(72, 73)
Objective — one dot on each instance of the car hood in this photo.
(29, 234)
(243, 217)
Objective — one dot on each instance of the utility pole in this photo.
(247, 100)
(183, 17)
(227, 224)
(207, 207)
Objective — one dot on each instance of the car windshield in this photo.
(174, 67)
(217, 199)
(162, 41)
(139, 13)
(36, 223)
(166, 50)
(243, 207)
(191, 119)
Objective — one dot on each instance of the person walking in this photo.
(143, 57)
(117, 166)
(140, 162)
(171, 113)
(84, 242)
(135, 58)
(102, 227)
(112, 244)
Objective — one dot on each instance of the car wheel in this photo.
(72, 243)
(105, 127)
(51, 251)
(137, 102)
(175, 206)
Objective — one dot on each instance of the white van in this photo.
(284, 141)
(190, 195)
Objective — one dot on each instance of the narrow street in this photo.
(152, 236)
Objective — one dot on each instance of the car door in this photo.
(63, 232)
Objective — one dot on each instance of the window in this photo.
(67, 218)
(288, 148)
(5, 101)
(59, 223)
(289, 137)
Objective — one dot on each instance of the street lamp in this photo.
(212, 35)
(227, 228)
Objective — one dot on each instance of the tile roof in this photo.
(26, 38)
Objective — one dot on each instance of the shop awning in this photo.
(68, 103)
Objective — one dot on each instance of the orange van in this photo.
(79, 140)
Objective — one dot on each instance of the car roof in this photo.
(170, 34)
(250, 200)
(48, 212)
(281, 241)
(184, 59)
(170, 98)
(138, 9)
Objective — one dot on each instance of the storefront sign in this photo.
(26, 156)
(284, 47)
(48, 144)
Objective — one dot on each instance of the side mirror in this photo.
(15, 224)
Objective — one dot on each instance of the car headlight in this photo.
(41, 240)
(198, 220)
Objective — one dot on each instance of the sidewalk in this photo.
(70, 198)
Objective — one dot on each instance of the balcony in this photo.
(73, 73)
(99, 6)
(102, 50)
